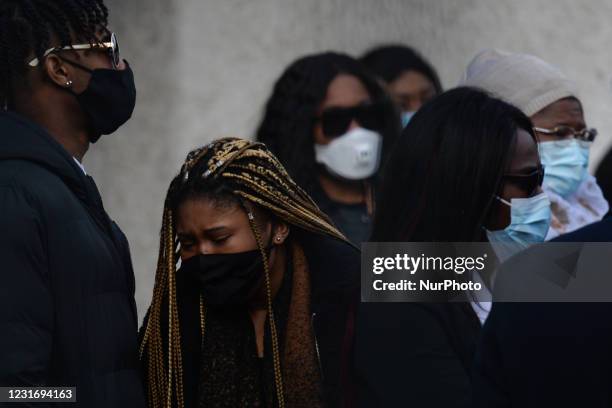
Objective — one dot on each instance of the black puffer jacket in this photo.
(67, 310)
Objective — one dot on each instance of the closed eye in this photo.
(221, 240)
(186, 242)
(187, 245)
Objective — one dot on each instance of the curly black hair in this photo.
(29, 27)
(288, 123)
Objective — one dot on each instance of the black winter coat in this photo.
(547, 354)
(67, 310)
(415, 354)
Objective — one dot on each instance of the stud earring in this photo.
(68, 84)
(277, 239)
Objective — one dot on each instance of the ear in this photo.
(58, 71)
(280, 232)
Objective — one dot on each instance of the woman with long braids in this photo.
(331, 124)
(253, 291)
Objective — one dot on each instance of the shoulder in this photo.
(40, 189)
(411, 316)
(25, 174)
(597, 232)
(330, 251)
(333, 264)
(423, 325)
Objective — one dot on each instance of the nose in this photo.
(203, 248)
(415, 106)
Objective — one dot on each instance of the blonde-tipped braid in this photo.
(162, 381)
(278, 379)
(175, 366)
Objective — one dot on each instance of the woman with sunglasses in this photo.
(331, 125)
(466, 169)
(255, 314)
(550, 99)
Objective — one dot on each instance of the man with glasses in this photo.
(67, 311)
(550, 99)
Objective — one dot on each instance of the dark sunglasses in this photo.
(527, 182)
(111, 46)
(336, 121)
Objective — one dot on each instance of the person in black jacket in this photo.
(257, 314)
(460, 159)
(547, 354)
(67, 310)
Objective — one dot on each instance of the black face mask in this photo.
(109, 99)
(226, 280)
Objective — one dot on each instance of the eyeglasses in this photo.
(112, 46)
(568, 132)
(336, 121)
(527, 182)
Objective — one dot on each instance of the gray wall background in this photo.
(204, 69)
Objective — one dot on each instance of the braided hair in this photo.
(234, 170)
(288, 123)
(28, 27)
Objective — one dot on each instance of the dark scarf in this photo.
(230, 373)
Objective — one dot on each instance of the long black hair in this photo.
(388, 62)
(288, 123)
(442, 176)
(28, 26)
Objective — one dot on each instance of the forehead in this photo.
(525, 151)
(205, 213)
(103, 33)
(100, 33)
(345, 91)
(410, 82)
(563, 111)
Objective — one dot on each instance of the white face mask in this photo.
(353, 156)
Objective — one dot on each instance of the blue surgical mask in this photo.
(566, 163)
(529, 223)
(406, 116)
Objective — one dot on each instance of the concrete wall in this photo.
(204, 69)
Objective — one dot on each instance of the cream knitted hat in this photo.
(523, 80)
